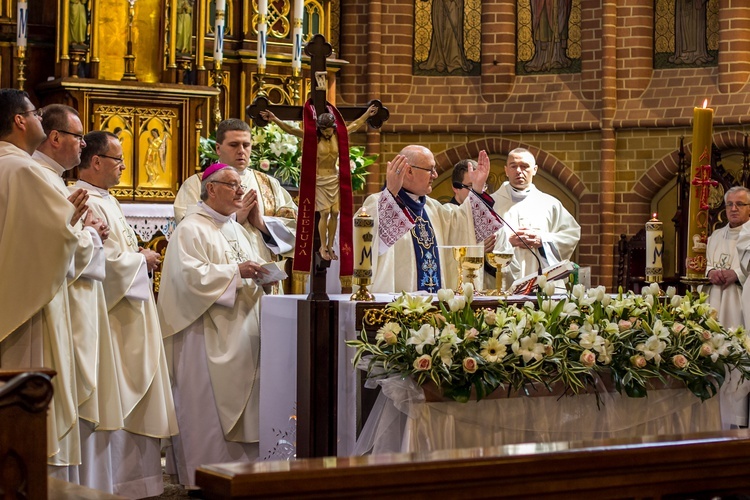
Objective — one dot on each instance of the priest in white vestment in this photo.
(543, 226)
(98, 393)
(272, 226)
(209, 303)
(412, 227)
(724, 271)
(37, 243)
(147, 405)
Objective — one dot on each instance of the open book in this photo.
(527, 284)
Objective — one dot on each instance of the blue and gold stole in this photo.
(425, 246)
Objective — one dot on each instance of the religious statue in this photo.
(549, 30)
(327, 176)
(690, 21)
(183, 42)
(447, 43)
(78, 22)
(156, 155)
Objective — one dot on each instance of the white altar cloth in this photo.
(403, 422)
(278, 375)
(148, 218)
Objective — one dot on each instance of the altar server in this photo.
(412, 226)
(539, 219)
(37, 243)
(98, 394)
(272, 221)
(147, 405)
(209, 304)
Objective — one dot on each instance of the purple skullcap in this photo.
(215, 167)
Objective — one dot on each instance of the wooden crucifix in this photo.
(317, 317)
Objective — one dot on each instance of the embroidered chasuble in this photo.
(36, 247)
(402, 264)
(146, 398)
(425, 246)
(275, 203)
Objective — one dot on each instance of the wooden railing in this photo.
(688, 466)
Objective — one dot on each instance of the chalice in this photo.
(497, 261)
(472, 264)
(459, 253)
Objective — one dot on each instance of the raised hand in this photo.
(395, 173)
(478, 176)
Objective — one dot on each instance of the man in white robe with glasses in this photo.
(209, 307)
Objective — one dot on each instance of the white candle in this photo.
(297, 34)
(262, 34)
(219, 31)
(364, 226)
(654, 250)
(23, 23)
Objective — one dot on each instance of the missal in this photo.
(527, 284)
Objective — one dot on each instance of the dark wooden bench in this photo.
(695, 466)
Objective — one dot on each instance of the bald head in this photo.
(421, 172)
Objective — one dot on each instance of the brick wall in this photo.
(609, 134)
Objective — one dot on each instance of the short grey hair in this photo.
(737, 189)
(204, 182)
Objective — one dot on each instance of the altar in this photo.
(403, 421)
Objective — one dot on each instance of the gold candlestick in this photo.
(21, 67)
(459, 253)
(129, 73)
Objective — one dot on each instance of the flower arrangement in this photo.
(279, 154)
(638, 339)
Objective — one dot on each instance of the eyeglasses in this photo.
(120, 161)
(37, 112)
(431, 170)
(738, 204)
(459, 185)
(235, 186)
(77, 136)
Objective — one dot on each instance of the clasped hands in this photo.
(531, 237)
(79, 198)
(722, 277)
(250, 212)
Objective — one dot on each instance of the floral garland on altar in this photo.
(567, 341)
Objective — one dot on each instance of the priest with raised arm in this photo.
(412, 226)
(209, 304)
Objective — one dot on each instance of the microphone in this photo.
(538, 261)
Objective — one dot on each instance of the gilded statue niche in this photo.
(112, 35)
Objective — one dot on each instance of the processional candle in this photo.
(262, 34)
(364, 226)
(654, 250)
(297, 36)
(22, 24)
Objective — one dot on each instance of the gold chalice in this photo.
(497, 261)
(459, 253)
(472, 264)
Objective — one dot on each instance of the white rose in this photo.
(469, 292)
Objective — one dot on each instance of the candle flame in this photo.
(653, 215)
(705, 103)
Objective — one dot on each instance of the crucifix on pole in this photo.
(317, 317)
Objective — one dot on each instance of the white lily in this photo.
(419, 338)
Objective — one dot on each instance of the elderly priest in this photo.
(209, 301)
(412, 226)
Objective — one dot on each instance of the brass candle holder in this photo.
(458, 254)
(363, 294)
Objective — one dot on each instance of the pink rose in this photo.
(706, 350)
(679, 328)
(390, 337)
(638, 361)
(423, 363)
(624, 324)
(470, 365)
(588, 358)
(706, 335)
(680, 361)
(471, 334)
(548, 350)
(264, 165)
